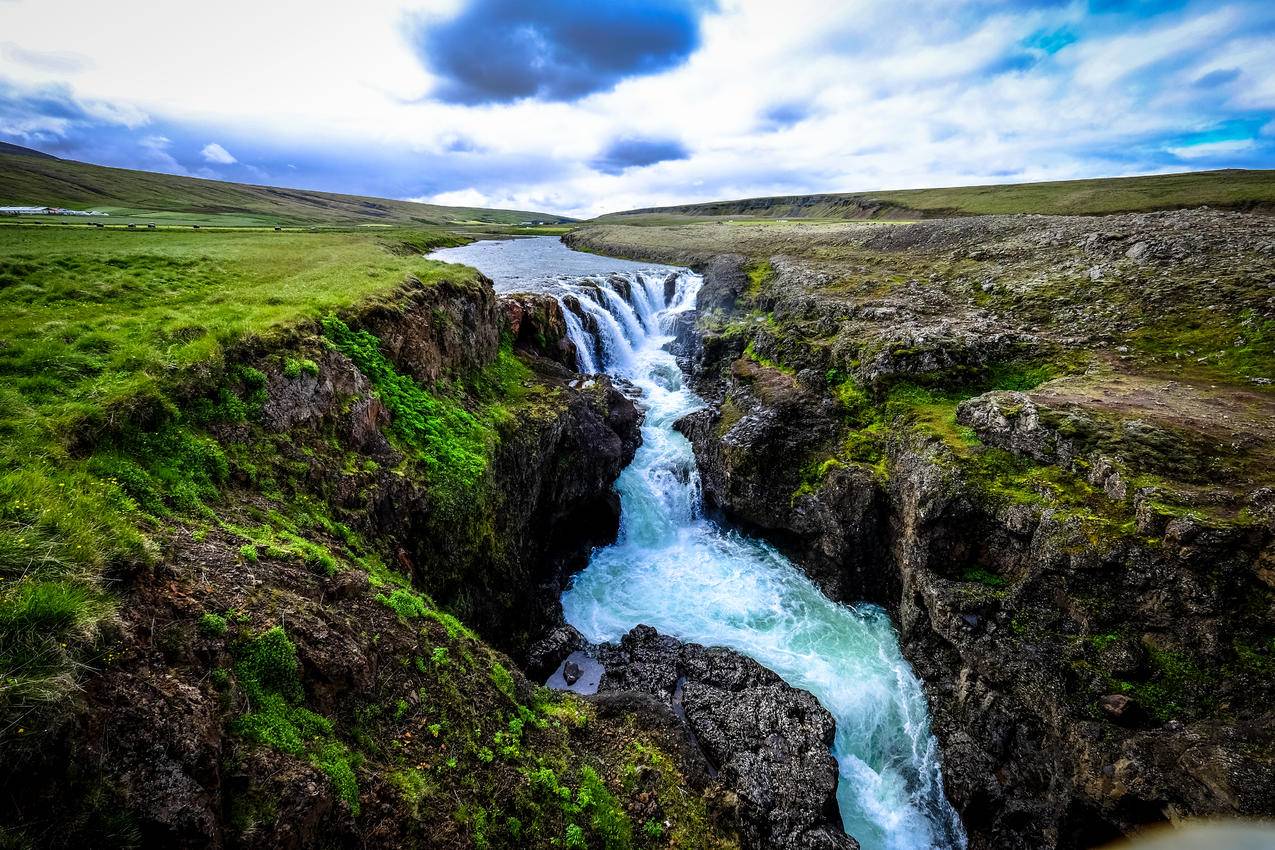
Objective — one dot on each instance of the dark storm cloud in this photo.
(496, 51)
(623, 154)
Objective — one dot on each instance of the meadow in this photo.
(143, 196)
(101, 329)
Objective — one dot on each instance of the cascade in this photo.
(676, 570)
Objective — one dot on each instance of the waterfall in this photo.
(676, 570)
(583, 342)
(623, 324)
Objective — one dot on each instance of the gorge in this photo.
(688, 577)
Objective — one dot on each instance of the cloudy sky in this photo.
(587, 106)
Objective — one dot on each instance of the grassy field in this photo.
(1232, 189)
(142, 196)
(101, 328)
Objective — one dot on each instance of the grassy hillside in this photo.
(102, 327)
(46, 181)
(1231, 189)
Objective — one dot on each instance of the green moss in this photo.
(502, 679)
(451, 443)
(752, 354)
(408, 604)
(414, 786)
(213, 625)
(981, 576)
(609, 822)
(758, 275)
(336, 762)
(1101, 642)
(295, 367)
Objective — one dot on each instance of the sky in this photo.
(581, 107)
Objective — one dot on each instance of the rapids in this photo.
(677, 570)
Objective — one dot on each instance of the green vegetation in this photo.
(452, 443)
(1224, 189)
(213, 625)
(102, 333)
(168, 198)
(268, 675)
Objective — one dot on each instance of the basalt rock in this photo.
(1082, 579)
(1018, 661)
(536, 324)
(768, 742)
(745, 453)
(725, 280)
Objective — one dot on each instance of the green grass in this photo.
(102, 333)
(169, 199)
(1236, 189)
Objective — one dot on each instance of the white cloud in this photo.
(215, 153)
(460, 198)
(1205, 150)
(894, 96)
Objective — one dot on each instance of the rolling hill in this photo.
(32, 177)
(1230, 189)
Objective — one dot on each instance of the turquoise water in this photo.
(676, 570)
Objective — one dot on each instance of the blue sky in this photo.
(587, 106)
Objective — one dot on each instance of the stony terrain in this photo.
(767, 742)
(1043, 444)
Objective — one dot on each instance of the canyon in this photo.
(1032, 448)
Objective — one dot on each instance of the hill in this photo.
(31, 177)
(1229, 189)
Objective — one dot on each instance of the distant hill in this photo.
(18, 150)
(32, 177)
(1232, 189)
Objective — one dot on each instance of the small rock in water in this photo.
(571, 672)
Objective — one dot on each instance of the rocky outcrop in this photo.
(725, 279)
(767, 743)
(1080, 573)
(536, 324)
(745, 453)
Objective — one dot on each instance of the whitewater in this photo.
(686, 575)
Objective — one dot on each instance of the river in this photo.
(682, 573)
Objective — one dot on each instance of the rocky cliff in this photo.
(1039, 443)
(292, 672)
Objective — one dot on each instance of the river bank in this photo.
(959, 421)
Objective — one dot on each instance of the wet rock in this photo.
(725, 280)
(571, 672)
(547, 654)
(768, 741)
(670, 287)
(537, 325)
(1121, 708)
